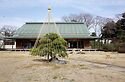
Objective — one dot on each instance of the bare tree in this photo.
(7, 30)
(81, 18)
(99, 23)
(92, 22)
(87, 19)
(118, 16)
(71, 18)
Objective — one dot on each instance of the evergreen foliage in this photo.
(51, 46)
(116, 33)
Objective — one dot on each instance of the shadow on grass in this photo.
(41, 60)
(46, 63)
(56, 61)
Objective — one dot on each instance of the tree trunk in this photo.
(104, 41)
(53, 59)
(48, 57)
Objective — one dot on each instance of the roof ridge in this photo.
(53, 22)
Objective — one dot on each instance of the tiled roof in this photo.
(66, 30)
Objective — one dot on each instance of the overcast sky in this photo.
(17, 12)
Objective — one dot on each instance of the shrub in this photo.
(121, 48)
(51, 46)
(110, 47)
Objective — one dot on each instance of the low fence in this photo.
(79, 49)
(69, 49)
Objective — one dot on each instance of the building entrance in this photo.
(75, 44)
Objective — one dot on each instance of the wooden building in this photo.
(76, 34)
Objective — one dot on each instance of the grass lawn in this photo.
(88, 67)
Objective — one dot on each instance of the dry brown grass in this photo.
(21, 67)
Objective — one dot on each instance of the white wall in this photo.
(10, 46)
